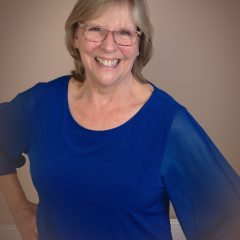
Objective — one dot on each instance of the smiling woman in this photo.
(106, 62)
(136, 17)
(109, 150)
(106, 47)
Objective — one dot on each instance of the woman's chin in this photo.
(107, 79)
(107, 82)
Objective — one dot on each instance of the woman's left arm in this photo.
(202, 186)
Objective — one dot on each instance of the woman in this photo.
(108, 149)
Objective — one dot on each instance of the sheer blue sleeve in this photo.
(202, 186)
(15, 131)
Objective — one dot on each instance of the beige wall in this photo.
(196, 59)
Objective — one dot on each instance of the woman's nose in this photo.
(109, 43)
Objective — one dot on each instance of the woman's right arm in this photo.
(16, 122)
(22, 210)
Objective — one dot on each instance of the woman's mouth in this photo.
(107, 62)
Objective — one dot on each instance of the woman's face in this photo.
(107, 63)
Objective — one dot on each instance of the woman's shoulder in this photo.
(53, 85)
(43, 93)
(46, 91)
(164, 100)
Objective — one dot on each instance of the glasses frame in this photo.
(106, 31)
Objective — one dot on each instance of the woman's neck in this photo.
(107, 96)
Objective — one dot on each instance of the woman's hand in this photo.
(25, 219)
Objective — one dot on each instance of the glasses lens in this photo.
(94, 33)
(125, 37)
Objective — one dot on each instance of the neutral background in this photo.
(196, 60)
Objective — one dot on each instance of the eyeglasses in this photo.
(123, 37)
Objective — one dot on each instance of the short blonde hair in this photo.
(85, 10)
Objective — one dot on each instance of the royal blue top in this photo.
(116, 184)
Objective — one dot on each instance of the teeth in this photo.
(107, 63)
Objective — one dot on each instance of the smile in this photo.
(107, 63)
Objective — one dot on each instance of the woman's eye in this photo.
(94, 29)
(125, 32)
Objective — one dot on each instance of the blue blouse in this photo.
(116, 184)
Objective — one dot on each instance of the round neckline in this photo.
(110, 130)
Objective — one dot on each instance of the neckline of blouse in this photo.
(123, 126)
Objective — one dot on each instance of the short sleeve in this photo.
(15, 131)
(202, 186)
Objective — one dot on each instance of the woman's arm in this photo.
(203, 187)
(23, 211)
(12, 191)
